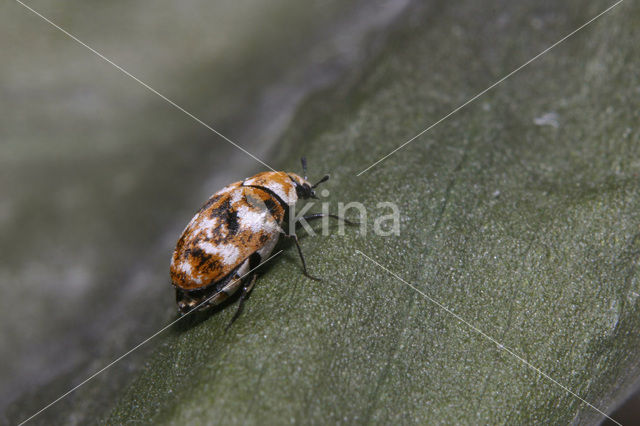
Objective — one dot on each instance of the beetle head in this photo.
(304, 189)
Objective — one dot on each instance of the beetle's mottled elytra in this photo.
(234, 231)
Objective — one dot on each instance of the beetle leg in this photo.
(304, 264)
(245, 294)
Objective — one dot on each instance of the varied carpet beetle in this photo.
(234, 231)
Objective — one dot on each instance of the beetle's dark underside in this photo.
(214, 293)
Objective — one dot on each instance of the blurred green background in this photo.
(520, 212)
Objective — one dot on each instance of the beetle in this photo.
(235, 230)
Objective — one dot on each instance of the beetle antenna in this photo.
(303, 160)
(324, 179)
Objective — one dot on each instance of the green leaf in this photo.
(519, 214)
(519, 224)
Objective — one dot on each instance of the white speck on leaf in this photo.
(547, 119)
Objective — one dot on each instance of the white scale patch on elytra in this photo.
(185, 267)
(237, 195)
(256, 221)
(251, 181)
(228, 252)
(207, 225)
(266, 250)
(225, 190)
